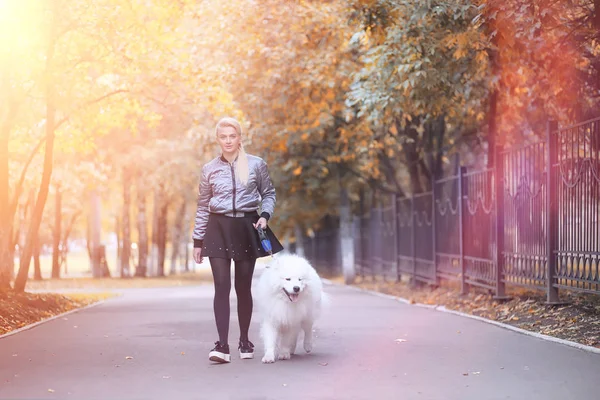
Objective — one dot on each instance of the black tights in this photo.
(243, 289)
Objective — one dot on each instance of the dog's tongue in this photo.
(294, 297)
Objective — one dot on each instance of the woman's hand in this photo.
(262, 222)
(198, 255)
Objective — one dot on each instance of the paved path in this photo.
(169, 332)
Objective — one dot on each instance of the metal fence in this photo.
(324, 251)
(532, 221)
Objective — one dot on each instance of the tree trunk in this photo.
(176, 238)
(346, 237)
(65, 241)
(11, 261)
(286, 241)
(37, 270)
(596, 28)
(185, 238)
(495, 67)
(88, 240)
(36, 219)
(24, 215)
(440, 130)
(162, 237)
(95, 236)
(187, 257)
(153, 259)
(299, 239)
(56, 235)
(412, 158)
(118, 231)
(390, 171)
(5, 221)
(126, 225)
(141, 269)
(492, 129)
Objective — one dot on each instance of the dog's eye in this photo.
(288, 279)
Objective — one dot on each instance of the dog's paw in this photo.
(268, 359)
(284, 355)
(308, 347)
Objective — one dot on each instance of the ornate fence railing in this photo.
(532, 221)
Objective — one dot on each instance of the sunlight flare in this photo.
(21, 28)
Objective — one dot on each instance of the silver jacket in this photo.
(221, 192)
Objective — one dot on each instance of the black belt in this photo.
(240, 214)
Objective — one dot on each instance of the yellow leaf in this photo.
(297, 171)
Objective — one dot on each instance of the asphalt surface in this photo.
(154, 344)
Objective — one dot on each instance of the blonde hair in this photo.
(241, 167)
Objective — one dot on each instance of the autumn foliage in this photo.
(118, 99)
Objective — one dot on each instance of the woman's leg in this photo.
(221, 270)
(244, 270)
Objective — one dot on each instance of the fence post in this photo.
(356, 239)
(499, 200)
(361, 230)
(464, 288)
(413, 239)
(551, 207)
(380, 239)
(395, 235)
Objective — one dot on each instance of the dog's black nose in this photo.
(296, 289)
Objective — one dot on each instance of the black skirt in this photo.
(236, 238)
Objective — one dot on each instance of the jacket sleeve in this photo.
(204, 195)
(266, 190)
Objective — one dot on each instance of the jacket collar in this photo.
(222, 157)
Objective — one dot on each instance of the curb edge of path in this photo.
(475, 317)
(43, 321)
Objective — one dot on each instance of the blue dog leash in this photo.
(264, 240)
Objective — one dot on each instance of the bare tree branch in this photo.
(17, 192)
(89, 103)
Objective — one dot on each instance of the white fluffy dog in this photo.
(290, 297)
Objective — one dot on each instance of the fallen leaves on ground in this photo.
(578, 321)
(20, 309)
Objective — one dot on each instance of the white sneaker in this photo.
(220, 353)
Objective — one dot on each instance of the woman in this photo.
(232, 187)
